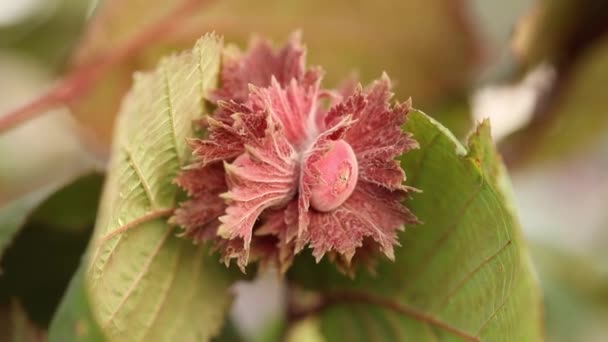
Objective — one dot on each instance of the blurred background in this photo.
(537, 68)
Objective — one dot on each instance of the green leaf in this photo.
(48, 33)
(53, 210)
(74, 320)
(48, 248)
(142, 281)
(462, 274)
(74, 207)
(14, 214)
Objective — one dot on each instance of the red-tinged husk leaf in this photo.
(282, 225)
(296, 174)
(258, 66)
(261, 178)
(378, 138)
(366, 257)
(371, 211)
(224, 142)
(198, 215)
(294, 106)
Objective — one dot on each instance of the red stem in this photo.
(79, 81)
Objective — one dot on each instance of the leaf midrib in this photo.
(170, 111)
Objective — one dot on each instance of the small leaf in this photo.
(463, 274)
(74, 320)
(142, 282)
(483, 154)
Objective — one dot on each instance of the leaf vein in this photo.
(494, 314)
(139, 276)
(165, 294)
(417, 272)
(471, 273)
(171, 112)
(142, 180)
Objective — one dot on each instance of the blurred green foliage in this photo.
(44, 254)
(48, 34)
(571, 37)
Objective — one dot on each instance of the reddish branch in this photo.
(80, 80)
(331, 299)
